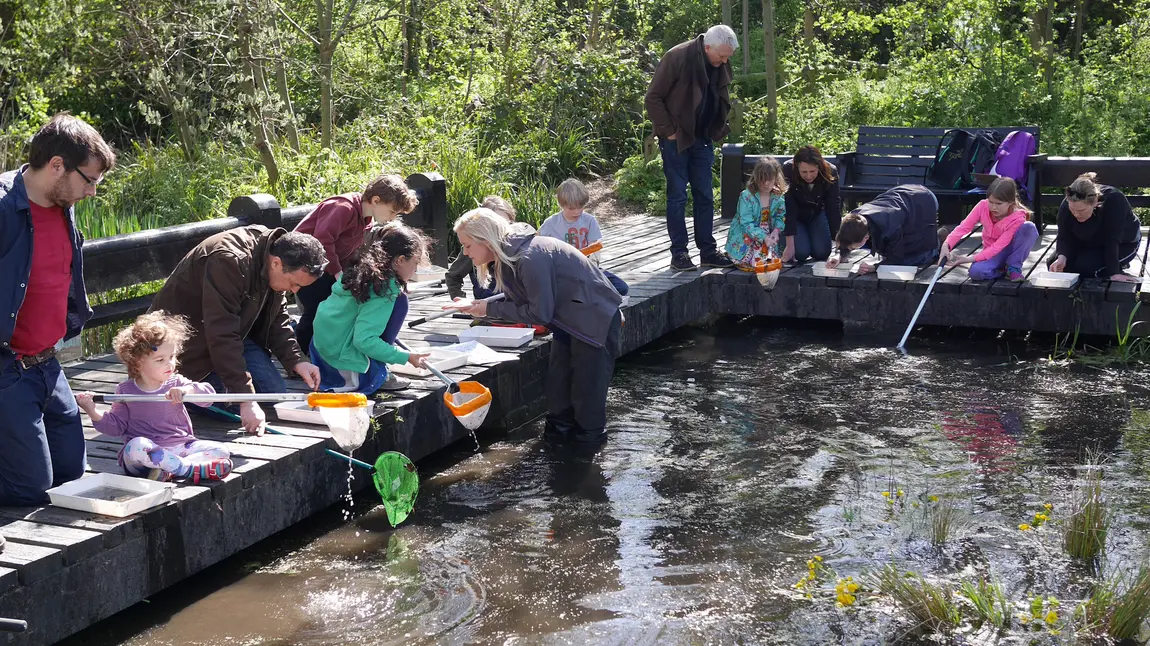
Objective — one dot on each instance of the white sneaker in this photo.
(394, 383)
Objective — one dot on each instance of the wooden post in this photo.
(809, 45)
(731, 179)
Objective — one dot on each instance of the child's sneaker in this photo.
(214, 470)
(1014, 275)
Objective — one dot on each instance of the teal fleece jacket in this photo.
(347, 332)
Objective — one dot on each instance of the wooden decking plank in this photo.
(75, 544)
(953, 277)
(32, 562)
(9, 578)
(114, 530)
(1042, 246)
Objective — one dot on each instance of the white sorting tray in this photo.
(1053, 279)
(897, 272)
(820, 269)
(111, 495)
(498, 337)
(443, 360)
(301, 412)
(434, 272)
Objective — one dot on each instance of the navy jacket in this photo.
(16, 263)
(903, 223)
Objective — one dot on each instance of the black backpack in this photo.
(961, 153)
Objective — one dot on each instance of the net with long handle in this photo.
(469, 404)
(397, 482)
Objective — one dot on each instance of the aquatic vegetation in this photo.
(1042, 615)
(1119, 606)
(989, 602)
(809, 582)
(944, 520)
(1087, 523)
(930, 605)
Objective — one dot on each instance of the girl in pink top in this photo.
(1007, 234)
(159, 441)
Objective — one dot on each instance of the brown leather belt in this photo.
(36, 359)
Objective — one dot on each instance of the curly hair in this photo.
(373, 265)
(146, 334)
(391, 189)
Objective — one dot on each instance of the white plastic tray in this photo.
(820, 269)
(498, 337)
(897, 272)
(301, 412)
(434, 272)
(111, 495)
(1053, 279)
(443, 360)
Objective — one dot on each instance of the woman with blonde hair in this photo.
(548, 282)
(1098, 233)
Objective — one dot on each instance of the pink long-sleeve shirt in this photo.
(164, 423)
(995, 235)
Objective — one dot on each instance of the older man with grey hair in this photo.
(688, 102)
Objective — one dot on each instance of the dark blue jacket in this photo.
(903, 223)
(16, 263)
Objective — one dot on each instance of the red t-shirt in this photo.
(43, 317)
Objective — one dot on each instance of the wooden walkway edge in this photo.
(64, 570)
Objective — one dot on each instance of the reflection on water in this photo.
(735, 454)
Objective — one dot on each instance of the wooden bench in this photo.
(1129, 174)
(887, 156)
(736, 170)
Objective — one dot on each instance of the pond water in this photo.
(736, 453)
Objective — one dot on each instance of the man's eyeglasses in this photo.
(91, 182)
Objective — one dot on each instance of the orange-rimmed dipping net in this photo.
(768, 273)
(469, 404)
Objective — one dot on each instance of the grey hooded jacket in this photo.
(554, 284)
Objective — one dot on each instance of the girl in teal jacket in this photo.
(356, 327)
(761, 217)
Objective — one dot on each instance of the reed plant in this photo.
(930, 605)
(1119, 606)
(1086, 525)
(944, 520)
(989, 601)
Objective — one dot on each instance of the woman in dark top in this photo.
(813, 206)
(1098, 233)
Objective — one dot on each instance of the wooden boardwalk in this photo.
(65, 570)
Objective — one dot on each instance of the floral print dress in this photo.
(747, 237)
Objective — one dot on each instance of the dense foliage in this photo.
(207, 99)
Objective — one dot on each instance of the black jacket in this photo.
(903, 223)
(806, 201)
(1112, 224)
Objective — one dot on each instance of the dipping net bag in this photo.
(768, 272)
(347, 417)
(397, 482)
(470, 404)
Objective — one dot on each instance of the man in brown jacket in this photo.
(688, 102)
(231, 289)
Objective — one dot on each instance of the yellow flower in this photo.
(933, 498)
(1051, 617)
(819, 559)
(852, 587)
(1024, 527)
(901, 493)
(886, 494)
(1024, 619)
(1048, 506)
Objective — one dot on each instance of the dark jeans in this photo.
(41, 437)
(266, 377)
(578, 376)
(1089, 262)
(376, 374)
(813, 239)
(692, 166)
(308, 298)
(619, 284)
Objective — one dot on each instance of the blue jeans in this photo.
(692, 166)
(41, 437)
(813, 239)
(619, 284)
(266, 377)
(370, 381)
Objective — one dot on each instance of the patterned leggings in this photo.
(141, 455)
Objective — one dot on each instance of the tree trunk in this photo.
(769, 49)
(285, 96)
(1079, 26)
(326, 48)
(727, 12)
(180, 118)
(746, 41)
(809, 45)
(593, 30)
(251, 86)
(1048, 37)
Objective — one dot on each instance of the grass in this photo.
(1120, 606)
(943, 520)
(989, 601)
(930, 605)
(1086, 526)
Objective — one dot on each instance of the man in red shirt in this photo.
(42, 300)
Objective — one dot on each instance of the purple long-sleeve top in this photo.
(164, 423)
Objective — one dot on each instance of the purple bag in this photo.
(1011, 158)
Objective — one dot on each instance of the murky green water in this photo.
(736, 453)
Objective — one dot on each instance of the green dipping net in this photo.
(397, 482)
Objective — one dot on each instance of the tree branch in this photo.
(342, 31)
(301, 30)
